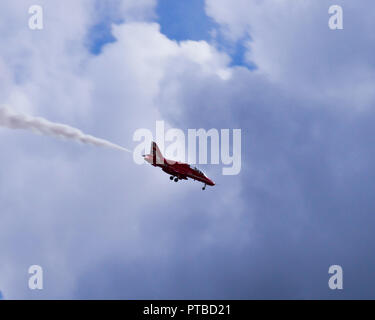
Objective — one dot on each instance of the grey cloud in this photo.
(104, 228)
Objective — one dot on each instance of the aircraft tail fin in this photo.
(157, 155)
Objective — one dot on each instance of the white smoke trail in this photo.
(16, 120)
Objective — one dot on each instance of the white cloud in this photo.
(69, 207)
(292, 44)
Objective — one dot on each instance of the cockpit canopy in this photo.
(200, 171)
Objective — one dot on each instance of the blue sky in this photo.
(103, 227)
(179, 21)
(100, 35)
(182, 20)
(188, 20)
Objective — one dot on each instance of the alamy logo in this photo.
(336, 19)
(197, 139)
(336, 280)
(36, 20)
(36, 280)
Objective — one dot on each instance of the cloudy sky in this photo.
(103, 227)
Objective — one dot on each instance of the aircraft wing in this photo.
(176, 172)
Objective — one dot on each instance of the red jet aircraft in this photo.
(177, 170)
